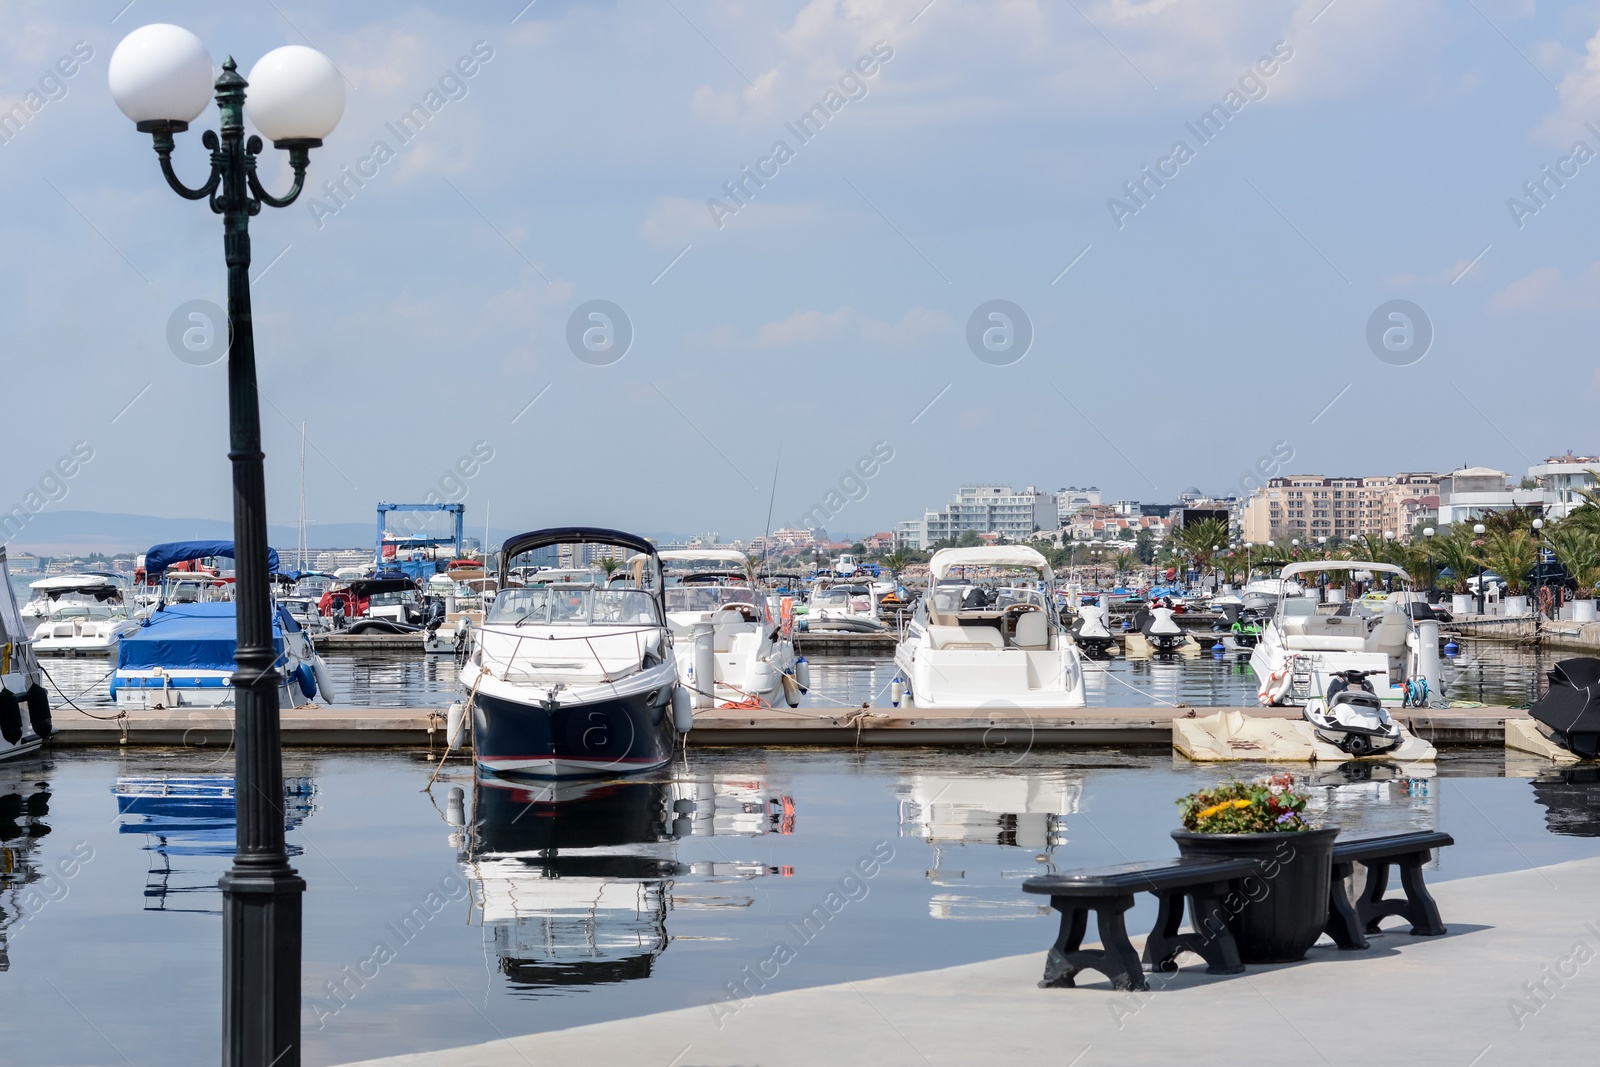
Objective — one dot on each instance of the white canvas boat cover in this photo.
(72, 581)
(946, 559)
(724, 555)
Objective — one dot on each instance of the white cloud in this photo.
(1547, 290)
(844, 324)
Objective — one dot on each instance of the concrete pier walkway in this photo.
(1516, 981)
(994, 726)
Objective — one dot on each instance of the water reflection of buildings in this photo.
(1023, 812)
(24, 804)
(1570, 797)
(189, 816)
(575, 881)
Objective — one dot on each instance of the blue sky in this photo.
(975, 163)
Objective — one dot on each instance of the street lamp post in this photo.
(1427, 533)
(1538, 566)
(1478, 531)
(160, 76)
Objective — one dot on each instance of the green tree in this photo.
(1578, 549)
(1453, 548)
(1511, 554)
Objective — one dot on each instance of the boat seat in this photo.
(965, 637)
(1033, 631)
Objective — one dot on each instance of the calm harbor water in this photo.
(540, 912)
(1485, 672)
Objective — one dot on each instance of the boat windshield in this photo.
(63, 611)
(707, 597)
(569, 604)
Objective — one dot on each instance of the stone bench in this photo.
(1349, 924)
(1108, 892)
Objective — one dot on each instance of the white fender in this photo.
(454, 719)
(802, 673)
(682, 709)
(324, 679)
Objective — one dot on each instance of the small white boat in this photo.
(742, 633)
(987, 632)
(1301, 650)
(844, 604)
(87, 615)
(183, 654)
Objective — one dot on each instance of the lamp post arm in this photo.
(161, 134)
(299, 159)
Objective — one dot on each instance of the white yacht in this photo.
(574, 678)
(86, 615)
(987, 631)
(1300, 650)
(741, 633)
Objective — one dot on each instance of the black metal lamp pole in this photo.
(261, 892)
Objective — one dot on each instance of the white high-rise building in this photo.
(983, 509)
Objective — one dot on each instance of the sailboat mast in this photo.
(300, 548)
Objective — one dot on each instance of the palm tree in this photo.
(897, 560)
(1510, 553)
(1578, 549)
(1200, 540)
(608, 565)
(1453, 549)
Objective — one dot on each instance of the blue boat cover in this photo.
(160, 557)
(193, 636)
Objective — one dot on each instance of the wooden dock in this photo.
(992, 727)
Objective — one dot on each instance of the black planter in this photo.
(1279, 912)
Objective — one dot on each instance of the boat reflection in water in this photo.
(1571, 799)
(192, 816)
(1026, 812)
(1370, 796)
(24, 887)
(575, 879)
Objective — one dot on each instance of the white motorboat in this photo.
(183, 654)
(981, 634)
(574, 678)
(741, 633)
(87, 615)
(1301, 650)
(843, 604)
(24, 704)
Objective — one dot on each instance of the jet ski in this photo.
(1090, 631)
(1352, 717)
(1241, 625)
(1159, 628)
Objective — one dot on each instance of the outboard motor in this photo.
(1570, 710)
(1352, 716)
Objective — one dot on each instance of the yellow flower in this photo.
(1208, 812)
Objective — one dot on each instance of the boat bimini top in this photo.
(1312, 567)
(947, 559)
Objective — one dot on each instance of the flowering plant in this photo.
(1265, 805)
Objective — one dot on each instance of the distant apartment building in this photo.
(1072, 499)
(983, 509)
(1561, 477)
(1310, 506)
